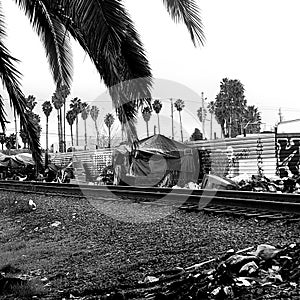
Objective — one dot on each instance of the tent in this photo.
(153, 159)
(159, 155)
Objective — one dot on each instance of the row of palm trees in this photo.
(157, 106)
(77, 107)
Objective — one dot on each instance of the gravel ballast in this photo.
(86, 248)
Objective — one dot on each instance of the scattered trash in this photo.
(246, 182)
(31, 204)
(234, 275)
(55, 224)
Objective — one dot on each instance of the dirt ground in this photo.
(78, 248)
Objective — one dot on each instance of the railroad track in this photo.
(272, 206)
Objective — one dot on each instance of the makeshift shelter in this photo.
(156, 157)
(157, 154)
(24, 159)
(4, 160)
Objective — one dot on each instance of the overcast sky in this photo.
(255, 41)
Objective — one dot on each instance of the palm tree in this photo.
(106, 33)
(211, 109)
(146, 112)
(47, 109)
(30, 104)
(252, 117)
(58, 103)
(157, 106)
(71, 117)
(76, 106)
(84, 115)
(2, 139)
(62, 92)
(94, 115)
(109, 120)
(179, 104)
(10, 142)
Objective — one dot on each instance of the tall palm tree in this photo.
(71, 117)
(146, 112)
(157, 106)
(84, 115)
(58, 103)
(94, 115)
(47, 109)
(106, 33)
(76, 106)
(62, 92)
(109, 121)
(179, 104)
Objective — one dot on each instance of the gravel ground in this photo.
(79, 247)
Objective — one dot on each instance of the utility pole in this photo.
(280, 115)
(172, 116)
(16, 130)
(211, 125)
(203, 115)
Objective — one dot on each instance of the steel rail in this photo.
(276, 202)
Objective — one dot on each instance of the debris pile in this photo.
(264, 184)
(266, 272)
(246, 182)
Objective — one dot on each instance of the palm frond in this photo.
(188, 12)
(106, 33)
(10, 79)
(54, 37)
(2, 114)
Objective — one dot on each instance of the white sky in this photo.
(255, 41)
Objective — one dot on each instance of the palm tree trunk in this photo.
(181, 127)
(108, 137)
(211, 123)
(58, 130)
(46, 153)
(65, 144)
(85, 136)
(158, 123)
(71, 127)
(61, 131)
(147, 129)
(77, 130)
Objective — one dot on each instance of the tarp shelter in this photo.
(24, 159)
(16, 161)
(158, 154)
(4, 160)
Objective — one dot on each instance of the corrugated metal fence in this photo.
(235, 156)
(94, 160)
(251, 154)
